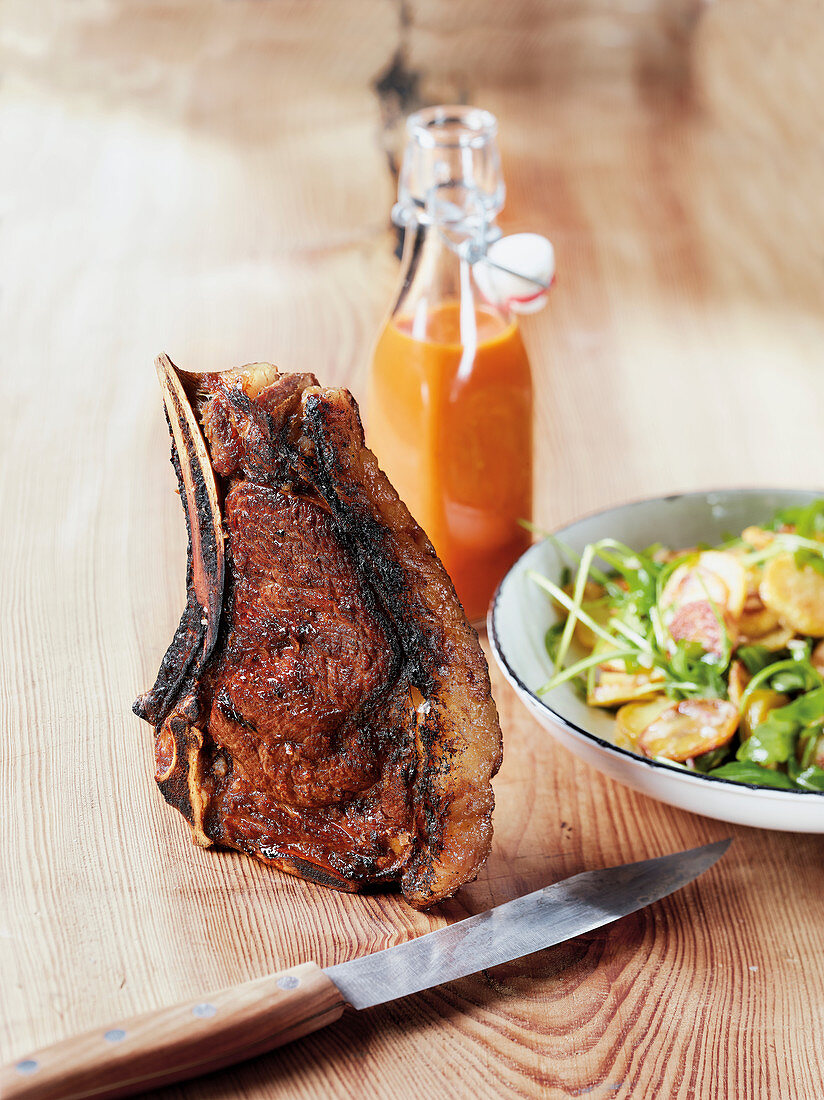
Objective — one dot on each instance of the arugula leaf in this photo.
(805, 710)
(792, 680)
(773, 741)
(808, 519)
(553, 636)
(807, 746)
(755, 657)
(798, 669)
(749, 772)
(811, 778)
(712, 759)
(688, 673)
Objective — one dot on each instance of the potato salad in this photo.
(711, 657)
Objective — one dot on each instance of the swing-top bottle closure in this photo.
(456, 148)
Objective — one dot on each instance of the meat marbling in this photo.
(324, 705)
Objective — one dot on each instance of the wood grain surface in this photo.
(213, 180)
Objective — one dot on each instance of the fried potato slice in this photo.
(775, 640)
(613, 688)
(756, 618)
(759, 705)
(738, 680)
(716, 576)
(633, 718)
(689, 728)
(757, 537)
(698, 622)
(796, 595)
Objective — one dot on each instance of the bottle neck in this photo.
(439, 299)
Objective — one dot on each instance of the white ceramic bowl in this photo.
(520, 615)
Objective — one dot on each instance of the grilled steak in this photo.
(324, 705)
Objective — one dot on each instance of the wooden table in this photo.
(210, 180)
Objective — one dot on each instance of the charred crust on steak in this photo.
(313, 873)
(324, 705)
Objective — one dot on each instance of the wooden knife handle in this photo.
(172, 1044)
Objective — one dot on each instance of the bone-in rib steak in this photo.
(324, 705)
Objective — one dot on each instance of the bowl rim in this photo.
(674, 770)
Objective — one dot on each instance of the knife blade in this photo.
(196, 1037)
(541, 919)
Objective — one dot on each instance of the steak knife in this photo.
(196, 1037)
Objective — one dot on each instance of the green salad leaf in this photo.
(807, 519)
(773, 741)
(710, 760)
(749, 772)
(810, 779)
(755, 658)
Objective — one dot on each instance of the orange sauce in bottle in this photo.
(450, 420)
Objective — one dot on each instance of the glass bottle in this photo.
(449, 409)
